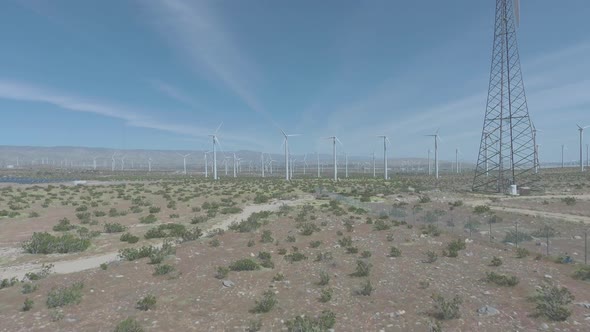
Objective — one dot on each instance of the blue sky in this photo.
(162, 74)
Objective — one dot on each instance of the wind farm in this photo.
(306, 167)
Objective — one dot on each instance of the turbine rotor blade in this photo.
(219, 127)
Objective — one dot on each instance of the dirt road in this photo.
(81, 264)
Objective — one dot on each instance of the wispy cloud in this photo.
(202, 39)
(175, 93)
(131, 116)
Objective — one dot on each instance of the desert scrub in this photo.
(454, 247)
(394, 252)
(446, 310)
(8, 282)
(163, 269)
(501, 279)
(366, 254)
(245, 264)
(345, 241)
(522, 253)
(114, 228)
(569, 200)
(64, 225)
(315, 244)
(381, 225)
(59, 297)
(131, 254)
(326, 295)
(583, 273)
(431, 230)
(266, 303)
(363, 269)
(222, 272)
(324, 278)
(129, 238)
(481, 209)
(149, 219)
(352, 250)
(496, 261)
(29, 288)
(252, 223)
(266, 237)
(431, 257)
(366, 288)
(295, 257)
(324, 322)
(146, 303)
(214, 243)
(308, 228)
(552, 302)
(513, 237)
(278, 277)
(28, 305)
(128, 325)
(45, 243)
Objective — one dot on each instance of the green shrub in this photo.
(28, 305)
(513, 237)
(149, 219)
(326, 295)
(324, 278)
(394, 252)
(154, 209)
(131, 254)
(104, 266)
(324, 322)
(128, 325)
(444, 309)
(45, 243)
(59, 297)
(552, 302)
(308, 228)
(522, 252)
(345, 241)
(352, 250)
(266, 237)
(252, 223)
(315, 244)
(198, 219)
(366, 288)
(431, 257)
(29, 288)
(260, 199)
(583, 273)
(363, 269)
(114, 228)
(129, 238)
(481, 209)
(278, 277)
(163, 269)
(380, 225)
(366, 254)
(431, 229)
(265, 304)
(231, 210)
(64, 225)
(222, 272)
(501, 280)
(569, 200)
(244, 265)
(146, 303)
(454, 247)
(496, 261)
(8, 282)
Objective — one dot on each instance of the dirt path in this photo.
(545, 214)
(86, 263)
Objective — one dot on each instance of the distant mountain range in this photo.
(83, 157)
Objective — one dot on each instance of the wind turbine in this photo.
(206, 165)
(123, 162)
(262, 163)
(112, 164)
(429, 166)
(318, 157)
(346, 165)
(94, 162)
(385, 141)
(457, 168)
(581, 129)
(184, 156)
(562, 148)
(436, 139)
(286, 144)
(149, 164)
(225, 163)
(587, 158)
(305, 164)
(334, 139)
(215, 142)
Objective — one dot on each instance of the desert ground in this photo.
(129, 252)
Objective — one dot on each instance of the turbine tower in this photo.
(318, 158)
(374, 168)
(184, 156)
(507, 141)
(429, 166)
(262, 163)
(149, 164)
(385, 141)
(562, 160)
(206, 165)
(581, 130)
(113, 162)
(215, 143)
(334, 139)
(286, 145)
(436, 139)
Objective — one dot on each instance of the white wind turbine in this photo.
(436, 139)
(262, 163)
(346, 165)
(334, 139)
(113, 164)
(304, 164)
(385, 141)
(215, 143)
(581, 129)
(149, 164)
(562, 160)
(286, 144)
(318, 158)
(206, 165)
(225, 163)
(94, 162)
(184, 156)
(235, 161)
(374, 166)
(123, 162)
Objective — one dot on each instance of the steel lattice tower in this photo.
(507, 148)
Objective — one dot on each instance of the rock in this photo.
(577, 237)
(544, 327)
(468, 241)
(487, 293)
(228, 283)
(584, 304)
(547, 276)
(487, 311)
